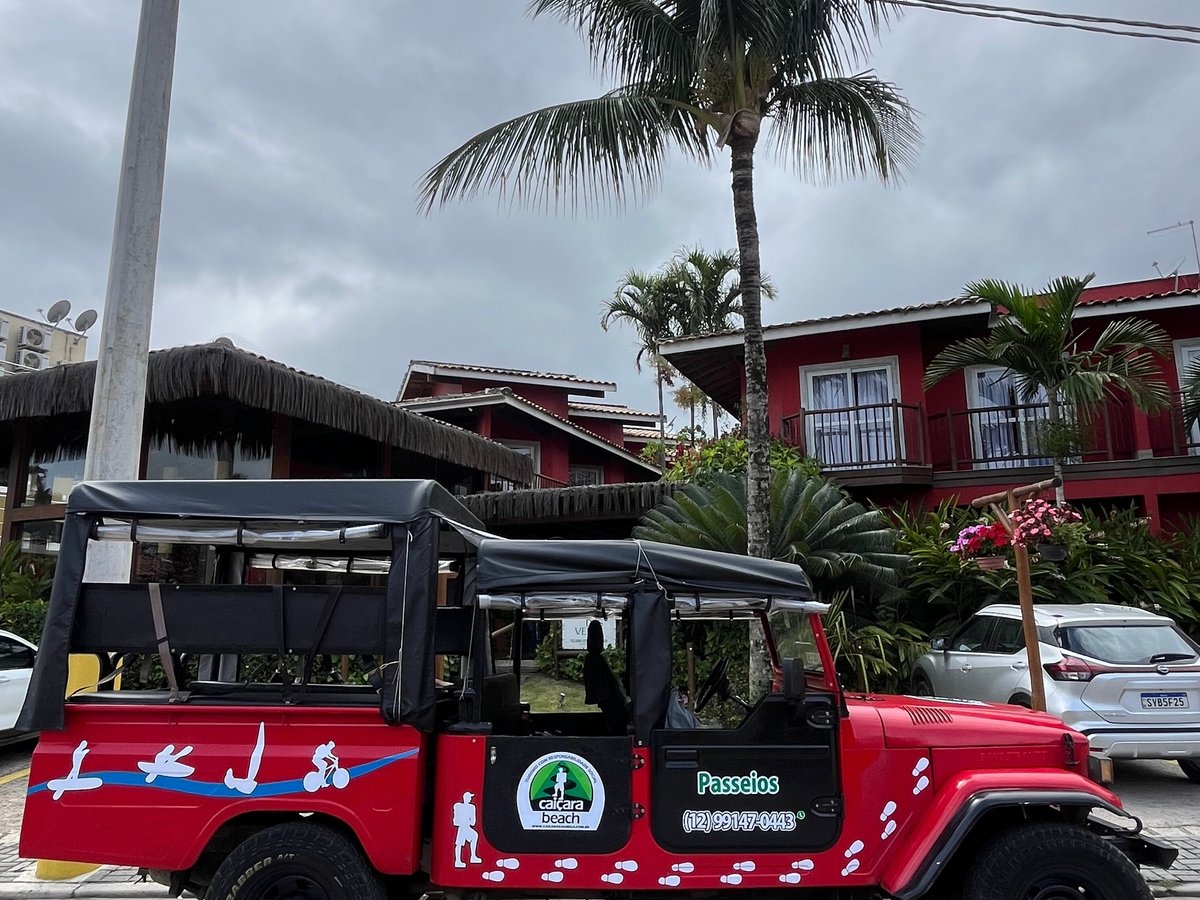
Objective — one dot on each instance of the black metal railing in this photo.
(856, 437)
(1021, 435)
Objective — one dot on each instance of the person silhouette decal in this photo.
(464, 819)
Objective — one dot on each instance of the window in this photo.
(14, 655)
(586, 475)
(51, 480)
(167, 462)
(1187, 355)
(1004, 427)
(3, 329)
(972, 637)
(1131, 644)
(794, 639)
(849, 420)
(1009, 636)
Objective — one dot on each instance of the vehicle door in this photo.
(998, 672)
(965, 650)
(16, 665)
(772, 784)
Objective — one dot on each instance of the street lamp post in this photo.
(118, 404)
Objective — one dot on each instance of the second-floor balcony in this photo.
(884, 441)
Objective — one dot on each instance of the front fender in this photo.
(956, 808)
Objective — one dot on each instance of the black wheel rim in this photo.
(1064, 887)
(288, 885)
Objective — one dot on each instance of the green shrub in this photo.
(25, 581)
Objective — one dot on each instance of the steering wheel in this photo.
(716, 684)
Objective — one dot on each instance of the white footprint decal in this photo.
(888, 830)
(790, 878)
(493, 876)
(569, 863)
(921, 766)
(851, 868)
(735, 878)
(508, 863)
(612, 878)
(685, 867)
(744, 866)
(854, 849)
(922, 783)
(670, 880)
(804, 865)
(888, 811)
(625, 865)
(552, 877)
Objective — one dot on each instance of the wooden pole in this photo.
(1033, 649)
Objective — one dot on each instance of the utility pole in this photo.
(114, 447)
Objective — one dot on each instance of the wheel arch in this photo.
(980, 815)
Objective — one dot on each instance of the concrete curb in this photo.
(48, 890)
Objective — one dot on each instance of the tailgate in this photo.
(1145, 698)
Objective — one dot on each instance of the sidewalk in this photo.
(17, 879)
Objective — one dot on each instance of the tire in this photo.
(1020, 700)
(295, 861)
(1052, 861)
(921, 686)
(1191, 768)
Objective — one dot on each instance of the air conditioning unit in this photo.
(28, 360)
(31, 338)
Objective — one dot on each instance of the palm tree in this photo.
(711, 294)
(651, 304)
(1035, 340)
(700, 76)
(689, 396)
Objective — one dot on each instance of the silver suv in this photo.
(1127, 678)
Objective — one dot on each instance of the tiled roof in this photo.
(516, 400)
(642, 434)
(615, 409)
(518, 373)
(1153, 289)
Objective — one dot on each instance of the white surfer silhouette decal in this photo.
(249, 783)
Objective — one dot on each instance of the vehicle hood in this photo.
(925, 722)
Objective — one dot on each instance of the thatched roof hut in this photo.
(607, 510)
(221, 371)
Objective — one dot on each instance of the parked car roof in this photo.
(16, 637)
(1070, 614)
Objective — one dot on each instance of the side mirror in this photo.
(793, 679)
(937, 644)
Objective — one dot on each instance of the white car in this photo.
(16, 665)
(1127, 678)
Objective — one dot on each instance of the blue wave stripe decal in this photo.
(218, 789)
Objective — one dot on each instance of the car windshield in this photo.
(794, 639)
(1129, 644)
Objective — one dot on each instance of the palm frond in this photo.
(589, 150)
(1138, 333)
(844, 127)
(1190, 386)
(630, 40)
(958, 356)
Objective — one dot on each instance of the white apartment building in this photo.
(30, 345)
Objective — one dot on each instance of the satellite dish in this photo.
(85, 320)
(59, 311)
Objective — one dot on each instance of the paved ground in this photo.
(1157, 792)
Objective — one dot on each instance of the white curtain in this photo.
(1003, 433)
(840, 430)
(876, 442)
(829, 432)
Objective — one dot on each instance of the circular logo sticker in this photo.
(560, 792)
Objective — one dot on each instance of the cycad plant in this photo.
(1036, 340)
(700, 76)
(814, 523)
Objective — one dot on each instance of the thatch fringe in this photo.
(606, 501)
(220, 369)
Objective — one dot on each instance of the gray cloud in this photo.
(299, 129)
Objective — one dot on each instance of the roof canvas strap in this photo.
(642, 556)
(160, 636)
(331, 602)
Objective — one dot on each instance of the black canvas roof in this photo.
(387, 501)
(530, 566)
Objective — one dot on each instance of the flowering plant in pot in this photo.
(985, 543)
(1053, 530)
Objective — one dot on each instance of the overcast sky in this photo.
(299, 129)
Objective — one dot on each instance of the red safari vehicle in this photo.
(239, 780)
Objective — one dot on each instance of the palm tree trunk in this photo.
(716, 419)
(758, 473)
(743, 137)
(692, 410)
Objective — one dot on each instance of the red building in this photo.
(848, 390)
(561, 421)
